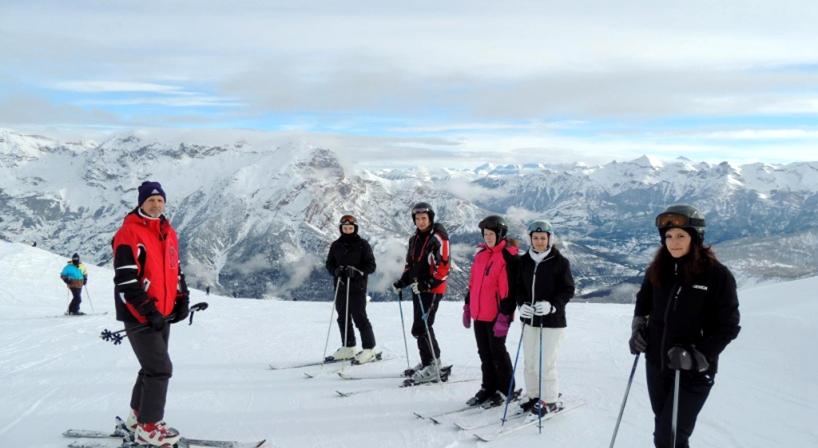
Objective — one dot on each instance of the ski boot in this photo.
(366, 355)
(479, 398)
(156, 434)
(342, 354)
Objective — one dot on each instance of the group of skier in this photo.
(686, 310)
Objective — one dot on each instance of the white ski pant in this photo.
(551, 339)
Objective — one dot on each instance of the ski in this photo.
(78, 315)
(436, 418)
(183, 443)
(344, 394)
(492, 434)
(345, 374)
(120, 438)
(306, 364)
(481, 421)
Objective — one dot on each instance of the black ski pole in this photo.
(513, 374)
(403, 328)
(429, 333)
(624, 400)
(116, 337)
(675, 408)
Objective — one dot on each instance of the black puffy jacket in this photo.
(702, 313)
(351, 250)
(551, 281)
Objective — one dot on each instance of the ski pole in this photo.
(624, 400)
(429, 333)
(675, 408)
(403, 327)
(331, 313)
(539, 384)
(346, 314)
(90, 302)
(513, 373)
(118, 336)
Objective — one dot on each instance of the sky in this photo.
(505, 82)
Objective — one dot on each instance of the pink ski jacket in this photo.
(488, 284)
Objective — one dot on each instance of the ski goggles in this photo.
(539, 226)
(677, 220)
(417, 210)
(348, 219)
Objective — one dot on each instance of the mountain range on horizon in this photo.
(256, 220)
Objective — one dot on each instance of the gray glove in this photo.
(639, 329)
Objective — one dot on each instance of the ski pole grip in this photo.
(201, 306)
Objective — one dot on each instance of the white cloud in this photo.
(114, 86)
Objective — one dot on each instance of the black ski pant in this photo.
(74, 306)
(495, 362)
(694, 388)
(151, 387)
(430, 303)
(357, 314)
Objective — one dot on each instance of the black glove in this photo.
(340, 271)
(182, 308)
(639, 329)
(351, 271)
(679, 358)
(155, 319)
(397, 286)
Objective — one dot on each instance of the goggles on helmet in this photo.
(348, 219)
(540, 226)
(677, 220)
(417, 210)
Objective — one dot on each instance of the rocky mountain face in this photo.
(257, 221)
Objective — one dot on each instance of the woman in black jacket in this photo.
(686, 314)
(544, 286)
(350, 261)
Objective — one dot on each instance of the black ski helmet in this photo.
(75, 258)
(423, 207)
(347, 220)
(682, 216)
(496, 224)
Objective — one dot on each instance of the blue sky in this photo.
(513, 82)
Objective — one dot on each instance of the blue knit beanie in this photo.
(148, 189)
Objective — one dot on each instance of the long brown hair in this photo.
(699, 259)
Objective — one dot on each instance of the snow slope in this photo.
(55, 373)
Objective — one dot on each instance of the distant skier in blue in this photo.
(686, 313)
(75, 276)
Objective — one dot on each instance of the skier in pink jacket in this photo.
(490, 304)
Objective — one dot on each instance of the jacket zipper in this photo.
(672, 299)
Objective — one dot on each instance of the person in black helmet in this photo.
(686, 313)
(426, 271)
(350, 261)
(490, 304)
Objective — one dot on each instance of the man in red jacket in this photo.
(150, 293)
(426, 271)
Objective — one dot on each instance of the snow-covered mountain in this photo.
(55, 372)
(256, 220)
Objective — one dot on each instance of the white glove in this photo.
(416, 288)
(526, 311)
(542, 308)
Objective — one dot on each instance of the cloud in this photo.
(114, 86)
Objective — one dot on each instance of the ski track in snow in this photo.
(57, 374)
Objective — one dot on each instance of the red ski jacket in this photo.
(146, 267)
(427, 261)
(489, 282)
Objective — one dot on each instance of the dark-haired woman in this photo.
(686, 314)
(350, 261)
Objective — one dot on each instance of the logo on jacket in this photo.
(702, 287)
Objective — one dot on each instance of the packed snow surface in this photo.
(55, 372)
